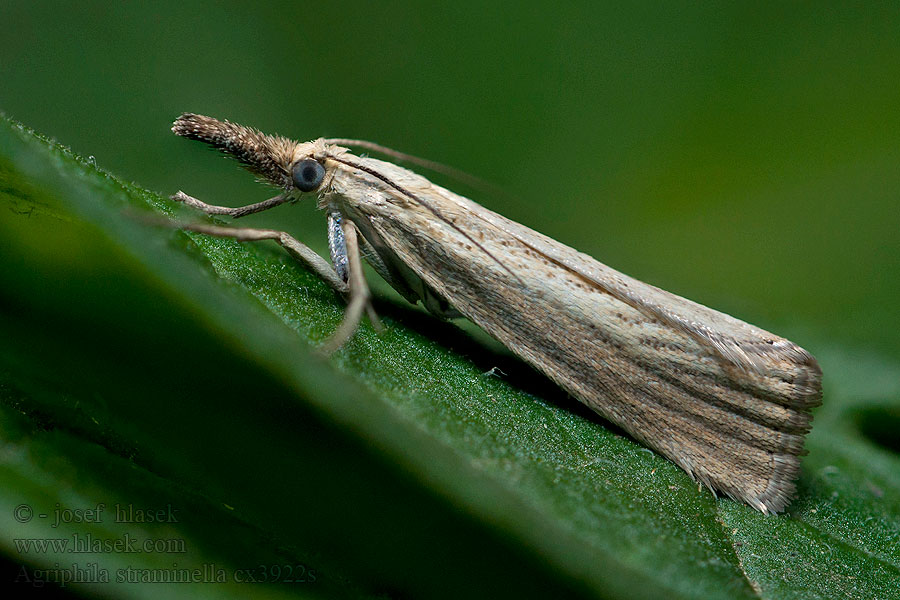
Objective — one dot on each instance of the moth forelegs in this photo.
(345, 276)
(240, 211)
(295, 248)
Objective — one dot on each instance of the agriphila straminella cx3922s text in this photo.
(726, 401)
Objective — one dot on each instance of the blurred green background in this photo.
(746, 157)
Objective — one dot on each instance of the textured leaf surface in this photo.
(150, 367)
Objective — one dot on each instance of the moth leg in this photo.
(240, 211)
(337, 247)
(295, 248)
(373, 318)
(360, 296)
(339, 258)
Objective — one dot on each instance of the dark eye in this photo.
(307, 175)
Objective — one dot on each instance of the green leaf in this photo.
(148, 367)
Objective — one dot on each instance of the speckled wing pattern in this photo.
(728, 402)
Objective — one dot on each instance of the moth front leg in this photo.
(345, 236)
(344, 275)
(337, 280)
(240, 211)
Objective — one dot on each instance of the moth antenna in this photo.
(437, 167)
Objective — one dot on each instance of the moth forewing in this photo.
(735, 424)
(728, 402)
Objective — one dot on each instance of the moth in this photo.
(726, 401)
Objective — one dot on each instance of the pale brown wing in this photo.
(734, 429)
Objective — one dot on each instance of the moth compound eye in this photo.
(307, 175)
